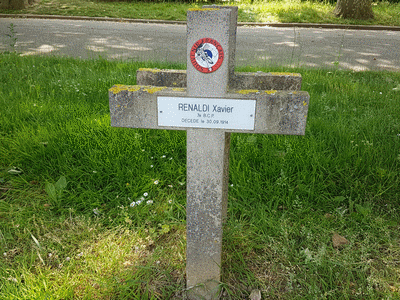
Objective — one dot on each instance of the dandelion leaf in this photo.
(61, 184)
(51, 191)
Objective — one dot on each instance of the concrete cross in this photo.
(209, 112)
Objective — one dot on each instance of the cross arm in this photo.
(284, 81)
(276, 112)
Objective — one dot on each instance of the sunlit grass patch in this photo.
(115, 256)
(98, 263)
(287, 12)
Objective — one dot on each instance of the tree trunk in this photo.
(354, 9)
(18, 4)
(4, 4)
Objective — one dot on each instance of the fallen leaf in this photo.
(392, 288)
(397, 88)
(15, 171)
(255, 295)
(338, 240)
(128, 264)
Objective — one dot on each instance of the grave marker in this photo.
(209, 112)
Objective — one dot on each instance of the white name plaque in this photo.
(206, 112)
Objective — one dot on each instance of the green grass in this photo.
(288, 194)
(280, 11)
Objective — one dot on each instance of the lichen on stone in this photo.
(245, 92)
(153, 89)
(202, 9)
(271, 92)
(133, 88)
(285, 74)
(150, 70)
(121, 87)
(117, 88)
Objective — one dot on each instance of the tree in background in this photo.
(15, 4)
(354, 9)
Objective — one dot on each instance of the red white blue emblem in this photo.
(206, 55)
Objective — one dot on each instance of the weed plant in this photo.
(12, 37)
(93, 212)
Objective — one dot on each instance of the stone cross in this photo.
(209, 110)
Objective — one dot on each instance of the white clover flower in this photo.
(151, 166)
(149, 201)
(156, 182)
(170, 185)
(145, 194)
(232, 184)
(5, 254)
(163, 156)
(68, 259)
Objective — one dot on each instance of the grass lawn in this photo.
(93, 212)
(280, 11)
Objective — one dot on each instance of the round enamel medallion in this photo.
(206, 55)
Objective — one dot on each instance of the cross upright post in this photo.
(207, 149)
(209, 111)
